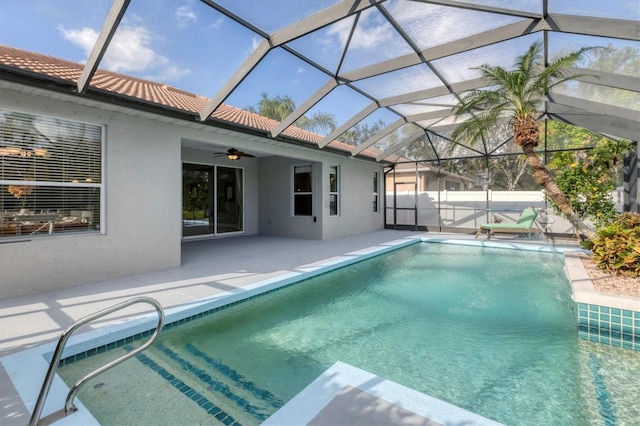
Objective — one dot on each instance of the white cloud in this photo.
(84, 38)
(185, 16)
(366, 35)
(340, 29)
(129, 52)
(366, 38)
(169, 73)
(217, 23)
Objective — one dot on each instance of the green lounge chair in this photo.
(522, 226)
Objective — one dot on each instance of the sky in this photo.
(189, 45)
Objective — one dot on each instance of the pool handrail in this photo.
(57, 354)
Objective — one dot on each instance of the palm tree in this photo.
(280, 107)
(518, 96)
(277, 108)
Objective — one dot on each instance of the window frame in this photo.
(298, 194)
(335, 193)
(452, 185)
(376, 192)
(51, 221)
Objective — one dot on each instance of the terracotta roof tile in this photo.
(156, 93)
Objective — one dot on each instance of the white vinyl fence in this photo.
(467, 210)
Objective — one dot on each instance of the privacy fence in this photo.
(465, 211)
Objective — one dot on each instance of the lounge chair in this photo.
(522, 226)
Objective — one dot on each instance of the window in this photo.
(375, 192)
(50, 175)
(334, 184)
(452, 186)
(302, 191)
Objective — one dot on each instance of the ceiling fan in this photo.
(234, 154)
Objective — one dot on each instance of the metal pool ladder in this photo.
(69, 408)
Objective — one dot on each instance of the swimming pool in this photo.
(486, 329)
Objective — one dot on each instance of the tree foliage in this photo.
(518, 96)
(623, 61)
(195, 194)
(587, 177)
(279, 107)
(361, 132)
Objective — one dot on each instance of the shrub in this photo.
(587, 179)
(617, 246)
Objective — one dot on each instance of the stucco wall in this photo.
(276, 203)
(356, 199)
(142, 175)
(142, 208)
(355, 195)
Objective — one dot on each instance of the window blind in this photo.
(50, 175)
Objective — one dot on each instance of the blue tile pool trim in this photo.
(609, 326)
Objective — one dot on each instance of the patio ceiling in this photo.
(402, 63)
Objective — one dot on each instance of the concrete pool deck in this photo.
(209, 268)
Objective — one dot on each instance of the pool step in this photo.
(217, 388)
(174, 378)
(235, 377)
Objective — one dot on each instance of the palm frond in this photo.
(485, 108)
(516, 94)
(558, 71)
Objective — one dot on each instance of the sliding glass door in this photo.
(212, 200)
(229, 196)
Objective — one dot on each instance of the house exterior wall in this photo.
(142, 177)
(427, 181)
(355, 199)
(276, 199)
(141, 212)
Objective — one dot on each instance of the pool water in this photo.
(490, 330)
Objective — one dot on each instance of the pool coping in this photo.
(583, 290)
(603, 318)
(27, 368)
(343, 389)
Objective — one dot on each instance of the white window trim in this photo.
(336, 193)
(74, 184)
(376, 193)
(294, 193)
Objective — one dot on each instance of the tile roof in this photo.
(156, 93)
